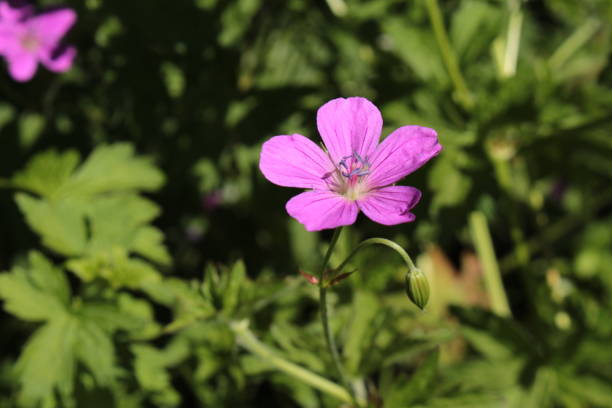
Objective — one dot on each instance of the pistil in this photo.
(348, 177)
(30, 42)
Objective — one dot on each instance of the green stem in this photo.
(338, 7)
(573, 43)
(504, 176)
(486, 253)
(329, 338)
(378, 241)
(558, 230)
(247, 339)
(330, 249)
(448, 55)
(513, 41)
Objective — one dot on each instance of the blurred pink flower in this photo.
(27, 39)
(212, 200)
(355, 173)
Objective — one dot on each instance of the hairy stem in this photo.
(329, 338)
(247, 339)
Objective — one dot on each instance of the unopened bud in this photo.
(310, 278)
(417, 288)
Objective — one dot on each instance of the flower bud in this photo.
(417, 288)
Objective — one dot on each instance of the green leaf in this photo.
(101, 192)
(7, 112)
(31, 125)
(494, 336)
(109, 168)
(225, 287)
(293, 57)
(140, 313)
(297, 346)
(48, 278)
(94, 348)
(360, 329)
(174, 78)
(148, 242)
(588, 388)
(108, 316)
(234, 282)
(542, 392)
(116, 220)
(151, 369)
(235, 20)
(115, 267)
(185, 299)
(401, 395)
(114, 168)
(46, 173)
(474, 25)
(60, 224)
(303, 245)
(451, 187)
(108, 30)
(414, 46)
(48, 361)
(36, 293)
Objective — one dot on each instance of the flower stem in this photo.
(329, 338)
(247, 339)
(513, 41)
(486, 253)
(574, 42)
(448, 55)
(378, 241)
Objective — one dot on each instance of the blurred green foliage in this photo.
(137, 229)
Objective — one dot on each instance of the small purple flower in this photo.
(212, 200)
(27, 39)
(355, 173)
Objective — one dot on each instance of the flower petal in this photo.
(401, 153)
(9, 13)
(6, 38)
(294, 161)
(319, 210)
(349, 125)
(390, 205)
(22, 66)
(9, 37)
(51, 26)
(59, 62)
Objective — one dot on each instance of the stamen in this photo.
(358, 157)
(30, 41)
(359, 172)
(359, 166)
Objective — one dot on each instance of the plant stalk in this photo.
(247, 339)
(573, 43)
(462, 92)
(329, 338)
(378, 241)
(513, 41)
(486, 253)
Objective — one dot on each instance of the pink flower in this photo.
(355, 173)
(27, 39)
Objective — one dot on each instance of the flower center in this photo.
(348, 178)
(30, 42)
